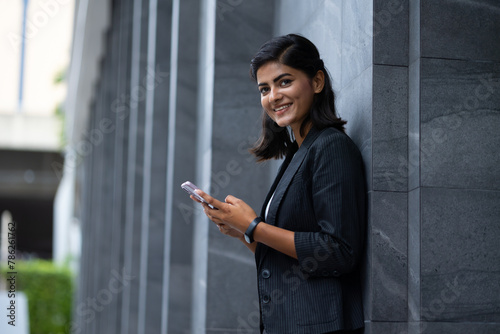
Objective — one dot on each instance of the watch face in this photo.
(247, 239)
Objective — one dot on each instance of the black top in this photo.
(319, 193)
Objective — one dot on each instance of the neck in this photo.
(296, 133)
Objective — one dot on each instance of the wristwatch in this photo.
(251, 228)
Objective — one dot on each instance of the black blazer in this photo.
(319, 193)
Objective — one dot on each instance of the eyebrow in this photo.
(276, 79)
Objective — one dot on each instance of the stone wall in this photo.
(418, 83)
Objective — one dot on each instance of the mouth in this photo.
(281, 109)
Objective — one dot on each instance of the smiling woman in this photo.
(292, 57)
(287, 94)
(309, 237)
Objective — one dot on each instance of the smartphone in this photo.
(190, 188)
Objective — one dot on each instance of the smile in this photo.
(282, 107)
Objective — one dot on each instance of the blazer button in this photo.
(266, 273)
(266, 299)
(336, 273)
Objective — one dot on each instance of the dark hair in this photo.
(301, 54)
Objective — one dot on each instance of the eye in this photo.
(285, 82)
(263, 90)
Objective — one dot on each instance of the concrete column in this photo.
(156, 129)
(224, 292)
(103, 223)
(134, 316)
(181, 162)
(133, 185)
(98, 168)
(120, 111)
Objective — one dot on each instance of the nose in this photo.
(275, 95)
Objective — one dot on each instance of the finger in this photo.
(194, 198)
(210, 200)
(221, 228)
(211, 213)
(230, 199)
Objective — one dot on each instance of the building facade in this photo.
(159, 93)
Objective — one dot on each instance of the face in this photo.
(287, 94)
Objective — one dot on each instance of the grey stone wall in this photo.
(453, 167)
(419, 90)
(167, 102)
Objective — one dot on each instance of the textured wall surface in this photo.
(453, 192)
(418, 82)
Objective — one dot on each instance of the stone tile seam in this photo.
(454, 322)
(385, 321)
(347, 84)
(462, 59)
(390, 191)
(458, 188)
(390, 65)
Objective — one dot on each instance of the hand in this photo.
(233, 213)
(229, 231)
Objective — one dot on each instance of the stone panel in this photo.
(122, 113)
(414, 255)
(390, 32)
(386, 328)
(103, 227)
(157, 85)
(413, 158)
(357, 39)
(236, 123)
(460, 257)
(136, 131)
(182, 216)
(294, 15)
(459, 124)
(413, 31)
(241, 28)
(233, 300)
(354, 104)
(390, 128)
(389, 256)
(324, 29)
(459, 328)
(456, 29)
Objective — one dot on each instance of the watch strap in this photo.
(251, 229)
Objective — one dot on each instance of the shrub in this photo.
(49, 290)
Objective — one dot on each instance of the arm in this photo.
(251, 246)
(338, 201)
(238, 215)
(278, 238)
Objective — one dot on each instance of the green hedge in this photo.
(49, 290)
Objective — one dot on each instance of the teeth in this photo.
(283, 107)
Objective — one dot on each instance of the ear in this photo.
(318, 81)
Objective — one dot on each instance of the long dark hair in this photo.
(300, 53)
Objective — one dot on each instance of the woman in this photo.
(309, 238)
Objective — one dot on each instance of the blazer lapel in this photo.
(283, 179)
(277, 179)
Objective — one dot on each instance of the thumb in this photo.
(230, 199)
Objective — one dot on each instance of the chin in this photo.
(282, 123)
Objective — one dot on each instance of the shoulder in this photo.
(331, 139)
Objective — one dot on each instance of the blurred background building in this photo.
(159, 93)
(32, 89)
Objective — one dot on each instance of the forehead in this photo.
(270, 70)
